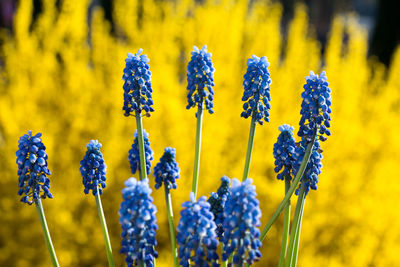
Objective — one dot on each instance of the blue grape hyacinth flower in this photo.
(32, 168)
(93, 169)
(256, 95)
(316, 107)
(242, 218)
(134, 157)
(200, 78)
(138, 222)
(196, 234)
(167, 170)
(137, 84)
(217, 202)
(284, 152)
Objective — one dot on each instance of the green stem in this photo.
(170, 215)
(139, 127)
(104, 230)
(297, 238)
(197, 151)
(224, 263)
(249, 148)
(286, 222)
(46, 232)
(291, 189)
(296, 226)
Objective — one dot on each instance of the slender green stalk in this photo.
(224, 263)
(297, 238)
(170, 215)
(286, 224)
(104, 230)
(139, 127)
(250, 144)
(296, 226)
(291, 189)
(46, 232)
(197, 151)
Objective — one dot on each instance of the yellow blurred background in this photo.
(62, 75)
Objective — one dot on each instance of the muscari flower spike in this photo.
(93, 169)
(200, 78)
(167, 170)
(138, 222)
(256, 95)
(242, 218)
(134, 157)
(32, 168)
(217, 202)
(316, 107)
(284, 152)
(137, 84)
(196, 234)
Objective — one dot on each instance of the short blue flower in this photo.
(196, 235)
(242, 218)
(315, 108)
(93, 169)
(314, 165)
(217, 202)
(138, 222)
(283, 152)
(167, 170)
(200, 78)
(137, 85)
(256, 95)
(134, 156)
(32, 168)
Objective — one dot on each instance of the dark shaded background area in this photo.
(380, 18)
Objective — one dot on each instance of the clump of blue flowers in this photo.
(200, 78)
(241, 221)
(32, 168)
(137, 85)
(284, 152)
(167, 170)
(139, 223)
(93, 169)
(196, 235)
(256, 95)
(217, 202)
(134, 157)
(316, 107)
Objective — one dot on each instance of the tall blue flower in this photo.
(167, 170)
(137, 84)
(134, 157)
(256, 95)
(316, 107)
(200, 78)
(217, 202)
(93, 169)
(32, 168)
(242, 218)
(284, 152)
(196, 235)
(138, 222)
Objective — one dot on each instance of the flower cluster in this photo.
(134, 156)
(32, 168)
(138, 222)
(242, 218)
(217, 202)
(196, 235)
(200, 78)
(256, 95)
(315, 108)
(167, 170)
(93, 169)
(137, 84)
(284, 152)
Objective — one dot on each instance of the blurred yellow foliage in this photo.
(61, 75)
